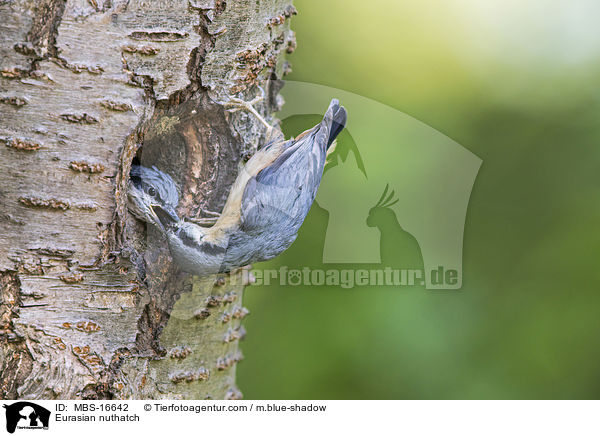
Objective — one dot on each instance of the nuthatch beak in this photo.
(166, 216)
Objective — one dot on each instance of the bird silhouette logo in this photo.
(397, 246)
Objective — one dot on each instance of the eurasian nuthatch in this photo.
(266, 206)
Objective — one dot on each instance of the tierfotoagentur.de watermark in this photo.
(346, 278)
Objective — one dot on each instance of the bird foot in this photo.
(206, 221)
(210, 213)
(237, 104)
(203, 221)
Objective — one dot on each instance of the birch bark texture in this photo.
(91, 306)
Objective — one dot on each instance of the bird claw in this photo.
(206, 221)
(235, 104)
(203, 221)
(210, 213)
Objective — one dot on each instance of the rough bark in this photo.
(91, 304)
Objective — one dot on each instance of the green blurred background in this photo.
(516, 83)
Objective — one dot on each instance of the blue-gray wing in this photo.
(278, 198)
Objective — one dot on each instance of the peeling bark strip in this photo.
(159, 36)
(115, 106)
(86, 167)
(15, 101)
(21, 144)
(12, 73)
(144, 50)
(79, 118)
(278, 20)
(71, 278)
(50, 203)
(91, 305)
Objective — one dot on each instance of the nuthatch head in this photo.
(267, 204)
(150, 192)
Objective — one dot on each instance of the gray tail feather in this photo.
(335, 119)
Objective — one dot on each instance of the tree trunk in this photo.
(91, 305)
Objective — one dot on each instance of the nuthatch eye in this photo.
(267, 204)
